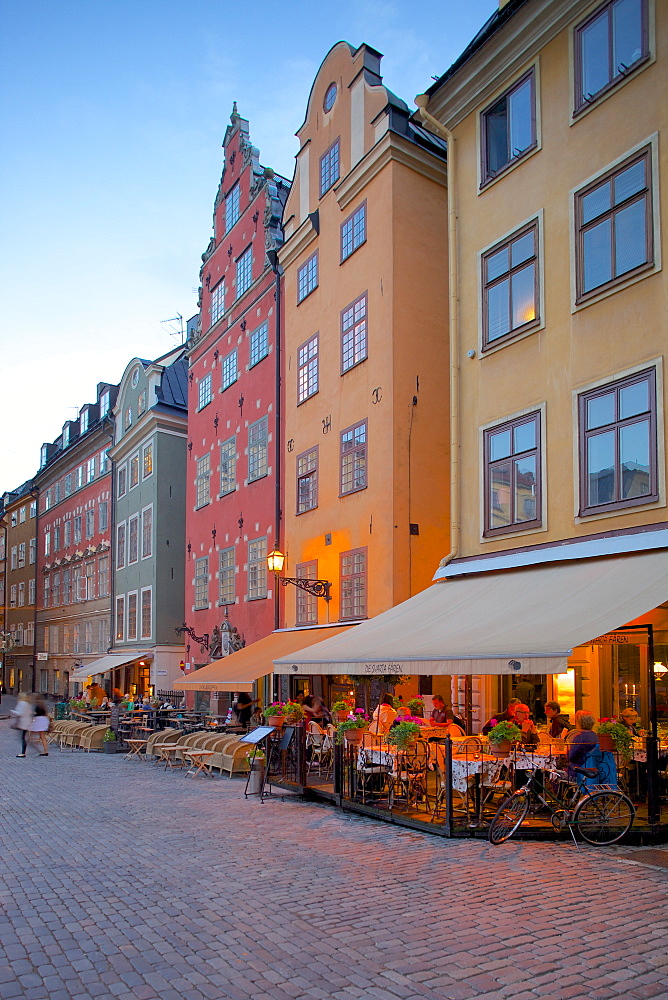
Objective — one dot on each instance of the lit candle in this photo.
(626, 690)
(634, 690)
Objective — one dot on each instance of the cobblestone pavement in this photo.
(120, 880)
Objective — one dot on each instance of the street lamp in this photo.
(319, 588)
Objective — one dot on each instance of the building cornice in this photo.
(298, 243)
(158, 420)
(504, 54)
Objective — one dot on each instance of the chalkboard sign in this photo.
(288, 733)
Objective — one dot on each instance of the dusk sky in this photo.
(112, 115)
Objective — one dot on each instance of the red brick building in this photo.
(233, 467)
(74, 582)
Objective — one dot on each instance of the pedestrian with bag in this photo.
(22, 715)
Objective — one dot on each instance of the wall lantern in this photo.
(318, 588)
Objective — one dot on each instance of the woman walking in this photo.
(23, 714)
(40, 722)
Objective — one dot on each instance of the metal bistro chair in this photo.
(409, 780)
(374, 773)
(318, 748)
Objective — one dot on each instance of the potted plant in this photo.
(77, 705)
(341, 710)
(612, 735)
(402, 735)
(274, 714)
(352, 727)
(502, 736)
(109, 741)
(293, 712)
(415, 707)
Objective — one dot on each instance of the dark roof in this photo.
(495, 22)
(173, 390)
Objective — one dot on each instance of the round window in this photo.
(330, 97)
(135, 378)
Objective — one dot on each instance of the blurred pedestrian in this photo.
(40, 722)
(22, 718)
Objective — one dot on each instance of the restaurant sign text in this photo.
(620, 639)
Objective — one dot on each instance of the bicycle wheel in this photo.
(510, 814)
(604, 817)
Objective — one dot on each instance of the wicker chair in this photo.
(93, 738)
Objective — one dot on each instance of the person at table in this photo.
(442, 715)
(522, 718)
(503, 715)
(558, 724)
(383, 716)
(243, 707)
(581, 742)
(630, 719)
(315, 710)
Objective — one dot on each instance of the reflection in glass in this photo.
(600, 410)
(626, 34)
(524, 436)
(597, 256)
(596, 202)
(634, 459)
(634, 399)
(595, 73)
(521, 124)
(601, 468)
(500, 495)
(523, 290)
(525, 489)
(498, 310)
(629, 181)
(497, 264)
(523, 248)
(499, 445)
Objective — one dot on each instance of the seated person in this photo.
(522, 718)
(630, 719)
(558, 724)
(243, 708)
(582, 742)
(442, 714)
(503, 715)
(383, 716)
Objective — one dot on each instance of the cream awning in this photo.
(487, 624)
(107, 663)
(237, 671)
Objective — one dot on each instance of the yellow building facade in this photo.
(557, 121)
(365, 372)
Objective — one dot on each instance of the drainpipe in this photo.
(422, 101)
(34, 492)
(272, 256)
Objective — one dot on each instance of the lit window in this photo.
(329, 168)
(353, 458)
(141, 403)
(608, 46)
(509, 128)
(258, 436)
(226, 576)
(307, 277)
(353, 584)
(134, 471)
(510, 286)
(307, 369)
(307, 480)
(230, 371)
(148, 461)
(512, 475)
(615, 237)
(244, 271)
(353, 232)
(257, 569)
(259, 345)
(201, 583)
(353, 334)
(618, 444)
(228, 466)
(217, 302)
(232, 207)
(204, 391)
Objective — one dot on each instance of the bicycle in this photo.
(600, 814)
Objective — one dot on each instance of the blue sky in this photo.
(112, 114)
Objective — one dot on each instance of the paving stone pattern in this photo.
(120, 880)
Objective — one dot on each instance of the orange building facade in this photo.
(366, 463)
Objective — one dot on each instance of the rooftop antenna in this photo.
(176, 328)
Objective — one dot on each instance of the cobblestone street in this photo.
(120, 880)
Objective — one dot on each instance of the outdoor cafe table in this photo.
(166, 754)
(199, 762)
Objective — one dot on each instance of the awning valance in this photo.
(107, 663)
(524, 621)
(237, 671)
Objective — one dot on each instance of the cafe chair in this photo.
(374, 773)
(498, 782)
(463, 806)
(409, 780)
(471, 743)
(318, 748)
